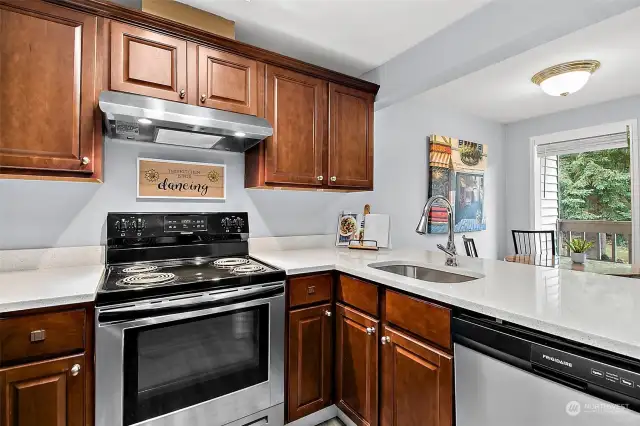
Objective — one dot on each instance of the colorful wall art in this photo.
(456, 171)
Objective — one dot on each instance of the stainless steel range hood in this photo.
(144, 119)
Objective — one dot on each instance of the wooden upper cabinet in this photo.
(310, 360)
(48, 91)
(350, 137)
(49, 393)
(417, 382)
(227, 81)
(296, 107)
(148, 63)
(356, 378)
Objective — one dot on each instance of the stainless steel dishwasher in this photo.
(506, 375)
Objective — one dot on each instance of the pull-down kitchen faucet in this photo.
(450, 250)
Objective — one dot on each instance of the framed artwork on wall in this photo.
(456, 171)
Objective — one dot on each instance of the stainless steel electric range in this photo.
(189, 328)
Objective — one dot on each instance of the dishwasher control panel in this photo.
(605, 375)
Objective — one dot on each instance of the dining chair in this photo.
(469, 246)
(534, 242)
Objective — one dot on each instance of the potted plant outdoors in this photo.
(579, 248)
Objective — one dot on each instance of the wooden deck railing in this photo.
(596, 231)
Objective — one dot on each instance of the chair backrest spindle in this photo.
(534, 242)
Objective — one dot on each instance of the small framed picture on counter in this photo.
(350, 227)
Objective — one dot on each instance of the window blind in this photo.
(574, 146)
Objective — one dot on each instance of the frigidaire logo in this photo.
(557, 360)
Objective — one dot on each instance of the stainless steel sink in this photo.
(424, 274)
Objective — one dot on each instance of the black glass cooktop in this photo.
(145, 280)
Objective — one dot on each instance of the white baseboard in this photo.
(316, 418)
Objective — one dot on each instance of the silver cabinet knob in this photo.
(182, 94)
(320, 177)
(203, 98)
(333, 178)
(85, 161)
(327, 313)
(371, 330)
(75, 370)
(385, 339)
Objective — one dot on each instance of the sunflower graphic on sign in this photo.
(213, 176)
(151, 175)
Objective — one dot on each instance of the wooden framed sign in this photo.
(181, 179)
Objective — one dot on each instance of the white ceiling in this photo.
(503, 92)
(350, 36)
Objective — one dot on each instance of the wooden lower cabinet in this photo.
(310, 360)
(356, 378)
(46, 393)
(386, 372)
(417, 382)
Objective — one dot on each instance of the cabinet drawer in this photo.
(425, 319)
(42, 335)
(359, 294)
(310, 289)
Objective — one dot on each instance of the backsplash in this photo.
(40, 214)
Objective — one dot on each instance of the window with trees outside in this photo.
(586, 192)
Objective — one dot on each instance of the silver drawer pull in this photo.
(371, 330)
(385, 339)
(75, 370)
(38, 336)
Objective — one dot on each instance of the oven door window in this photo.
(174, 365)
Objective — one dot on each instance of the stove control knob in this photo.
(239, 222)
(226, 222)
(140, 224)
(124, 224)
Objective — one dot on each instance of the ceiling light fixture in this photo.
(144, 121)
(240, 134)
(567, 78)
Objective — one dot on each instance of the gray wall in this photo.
(36, 214)
(518, 155)
(401, 148)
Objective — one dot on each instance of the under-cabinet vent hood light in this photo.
(145, 119)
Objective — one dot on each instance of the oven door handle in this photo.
(188, 303)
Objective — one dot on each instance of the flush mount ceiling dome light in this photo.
(567, 78)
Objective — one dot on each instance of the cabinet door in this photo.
(148, 63)
(47, 90)
(417, 382)
(310, 348)
(227, 81)
(350, 137)
(44, 393)
(297, 110)
(357, 365)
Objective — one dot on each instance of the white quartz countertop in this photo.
(598, 310)
(39, 288)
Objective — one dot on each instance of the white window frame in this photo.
(587, 132)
